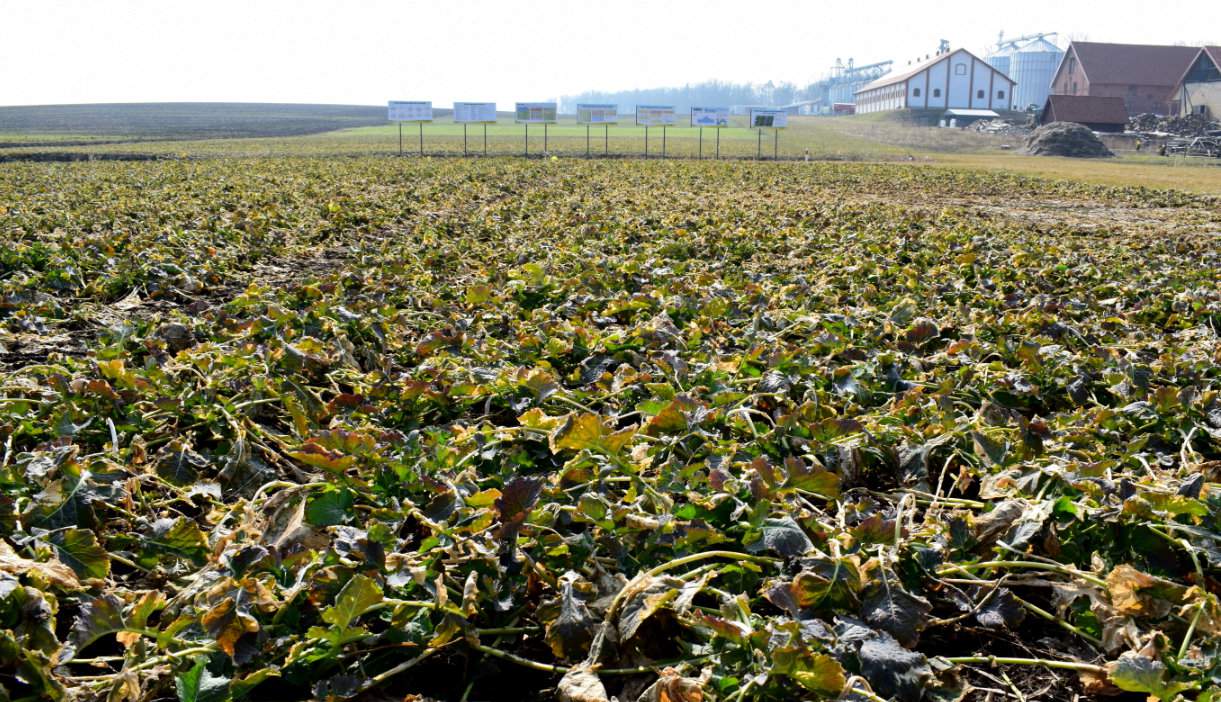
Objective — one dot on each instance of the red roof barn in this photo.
(1102, 114)
(1146, 77)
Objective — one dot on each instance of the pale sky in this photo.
(370, 51)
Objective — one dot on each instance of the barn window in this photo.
(1000, 95)
(915, 92)
(960, 69)
(936, 92)
(980, 94)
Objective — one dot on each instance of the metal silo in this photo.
(1001, 57)
(1034, 67)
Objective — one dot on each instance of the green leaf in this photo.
(812, 478)
(182, 536)
(357, 596)
(330, 507)
(79, 549)
(200, 685)
(240, 687)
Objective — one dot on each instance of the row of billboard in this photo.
(547, 113)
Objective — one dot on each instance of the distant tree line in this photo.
(707, 94)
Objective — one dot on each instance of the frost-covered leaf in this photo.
(570, 633)
(581, 685)
(98, 617)
(783, 536)
(1001, 611)
(889, 607)
(1135, 672)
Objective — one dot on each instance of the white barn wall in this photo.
(982, 80)
(937, 82)
(953, 82)
(960, 85)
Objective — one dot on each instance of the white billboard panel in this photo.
(474, 112)
(399, 111)
(535, 112)
(709, 116)
(655, 115)
(597, 114)
(772, 119)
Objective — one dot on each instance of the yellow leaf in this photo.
(581, 431)
(1140, 594)
(321, 457)
(485, 498)
(537, 419)
(823, 675)
(226, 623)
(53, 572)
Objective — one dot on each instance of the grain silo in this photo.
(1033, 65)
(1001, 58)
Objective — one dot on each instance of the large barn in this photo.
(1145, 76)
(951, 80)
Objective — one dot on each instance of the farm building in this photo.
(951, 80)
(1200, 89)
(964, 118)
(1101, 114)
(1144, 76)
(1031, 61)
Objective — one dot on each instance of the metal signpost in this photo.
(775, 120)
(528, 113)
(606, 115)
(655, 116)
(404, 111)
(714, 117)
(475, 113)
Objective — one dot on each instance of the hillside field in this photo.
(178, 120)
(291, 418)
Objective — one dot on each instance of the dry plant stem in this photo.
(561, 669)
(1048, 663)
(595, 649)
(401, 667)
(1092, 579)
(1039, 611)
(95, 681)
